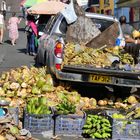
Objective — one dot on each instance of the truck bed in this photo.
(101, 71)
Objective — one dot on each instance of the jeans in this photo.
(31, 43)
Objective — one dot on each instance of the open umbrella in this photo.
(29, 3)
(49, 7)
(39, 1)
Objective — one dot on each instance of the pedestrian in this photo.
(13, 28)
(2, 27)
(32, 34)
(3, 8)
(24, 12)
(127, 29)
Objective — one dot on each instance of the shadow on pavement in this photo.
(22, 50)
(7, 41)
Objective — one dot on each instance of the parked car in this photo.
(50, 53)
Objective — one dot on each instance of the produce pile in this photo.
(23, 87)
(75, 54)
(97, 126)
(21, 84)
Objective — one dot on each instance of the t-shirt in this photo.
(1, 19)
(127, 29)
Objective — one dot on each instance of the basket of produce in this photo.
(68, 121)
(125, 124)
(38, 117)
(126, 129)
(98, 125)
(14, 112)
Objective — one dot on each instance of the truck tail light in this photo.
(58, 66)
(58, 50)
(58, 53)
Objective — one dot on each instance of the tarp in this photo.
(128, 3)
(49, 7)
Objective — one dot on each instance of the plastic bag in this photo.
(69, 13)
(36, 41)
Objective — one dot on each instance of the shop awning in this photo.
(128, 3)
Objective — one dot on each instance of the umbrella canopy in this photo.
(49, 7)
(39, 1)
(30, 3)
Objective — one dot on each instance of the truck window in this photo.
(63, 26)
(102, 24)
(50, 24)
(42, 21)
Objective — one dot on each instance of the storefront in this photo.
(134, 12)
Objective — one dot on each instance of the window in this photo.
(42, 21)
(63, 26)
(50, 24)
(102, 24)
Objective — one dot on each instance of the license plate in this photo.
(100, 79)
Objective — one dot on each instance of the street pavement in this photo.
(12, 57)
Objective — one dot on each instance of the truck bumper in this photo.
(86, 78)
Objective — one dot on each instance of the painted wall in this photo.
(118, 12)
(13, 5)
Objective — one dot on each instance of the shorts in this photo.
(1, 26)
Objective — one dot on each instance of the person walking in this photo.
(31, 35)
(3, 8)
(1, 27)
(13, 28)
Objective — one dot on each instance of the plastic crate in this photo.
(14, 112)
(38, 124)
(126, 129)
(69, 125)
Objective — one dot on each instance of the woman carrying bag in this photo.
(31, 35)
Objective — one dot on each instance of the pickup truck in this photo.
(50, 53)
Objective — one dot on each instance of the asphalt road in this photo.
(12, 57)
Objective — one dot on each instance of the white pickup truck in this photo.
(50, 53)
